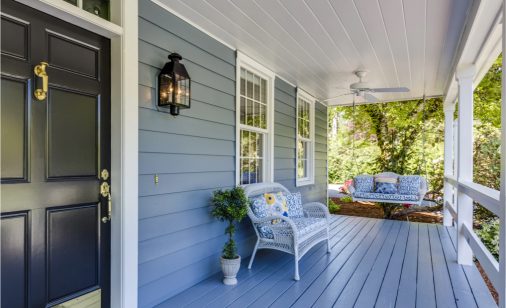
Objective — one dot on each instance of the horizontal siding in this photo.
(193, 154)
(285, 143)
(284, 133)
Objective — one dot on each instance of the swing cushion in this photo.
(364, 183)
(386, 197)
(409, 184)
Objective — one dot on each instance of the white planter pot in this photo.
(230, 267)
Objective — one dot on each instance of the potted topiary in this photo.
(231, 206)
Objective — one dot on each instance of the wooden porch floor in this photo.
(373, 263)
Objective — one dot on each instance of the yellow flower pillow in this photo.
(276, 204)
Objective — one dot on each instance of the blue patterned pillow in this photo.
(409, 184)
(364, 183)
(386, 188)
(294, 202)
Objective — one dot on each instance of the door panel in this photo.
(72, 239)
(14, 259)
(54, 244)
(72, 134)
(14, 128)
(58, 55)
(13, 27)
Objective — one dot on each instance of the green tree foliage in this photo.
(390, 137)
(230, 206)
(402, 137)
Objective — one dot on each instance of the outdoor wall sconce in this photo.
(174, 85)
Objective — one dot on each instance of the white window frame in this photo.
(253, 66)
(309, 180)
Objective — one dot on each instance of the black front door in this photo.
(55, 144)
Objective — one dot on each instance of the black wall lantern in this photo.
(174, 85)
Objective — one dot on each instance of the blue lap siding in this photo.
(194, 154)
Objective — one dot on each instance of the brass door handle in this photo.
(107, 218)
(40, 71)
(105, 191)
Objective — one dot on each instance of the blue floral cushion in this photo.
(377, 196)
(294, 202)
(386, 188)
(303, 226)
(364, 183)
(409, 184)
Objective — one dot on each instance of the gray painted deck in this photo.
(373, 263)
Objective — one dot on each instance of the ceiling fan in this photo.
(363, 89)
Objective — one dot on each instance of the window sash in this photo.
(252, 156)
(305, 139)
(253, 100)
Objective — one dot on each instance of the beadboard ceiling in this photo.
(317, 44)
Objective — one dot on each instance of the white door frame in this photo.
(123, 32)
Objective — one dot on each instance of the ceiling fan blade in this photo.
(370, 98)
(400, 89)
(331, 98)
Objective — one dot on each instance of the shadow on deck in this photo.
(373, 262)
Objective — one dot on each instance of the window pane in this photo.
(263, 91)
(256, 88)
(302, 157)
(251, 160)
(249, 111)
(249, 87)
(243, 110)
(263, 119)
(253, 94)
(243, 81)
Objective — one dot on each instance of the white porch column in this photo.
(449, 110)
(501, 288)
(465, 160)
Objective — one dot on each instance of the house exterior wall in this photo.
(194, 154)
(285, 133)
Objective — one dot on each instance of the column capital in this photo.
(465, 72)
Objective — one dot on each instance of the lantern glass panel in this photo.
(166, 88)
(183, 91)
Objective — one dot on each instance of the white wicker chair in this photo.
(286, 236)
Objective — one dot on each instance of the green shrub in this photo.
(489, 235)
(230, 206)
(333, 207)
(346, 199)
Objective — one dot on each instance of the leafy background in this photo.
(408, 138)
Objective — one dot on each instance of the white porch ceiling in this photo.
(317, 44)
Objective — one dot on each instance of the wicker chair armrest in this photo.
(268, 219)
(316, 209)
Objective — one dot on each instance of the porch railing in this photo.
(460, 191)
(490, 199)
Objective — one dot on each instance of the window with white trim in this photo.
(254, 123)
(305, 138)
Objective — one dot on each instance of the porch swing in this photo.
(389, 187)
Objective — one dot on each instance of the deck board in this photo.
(406, 291)
(373, 262)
